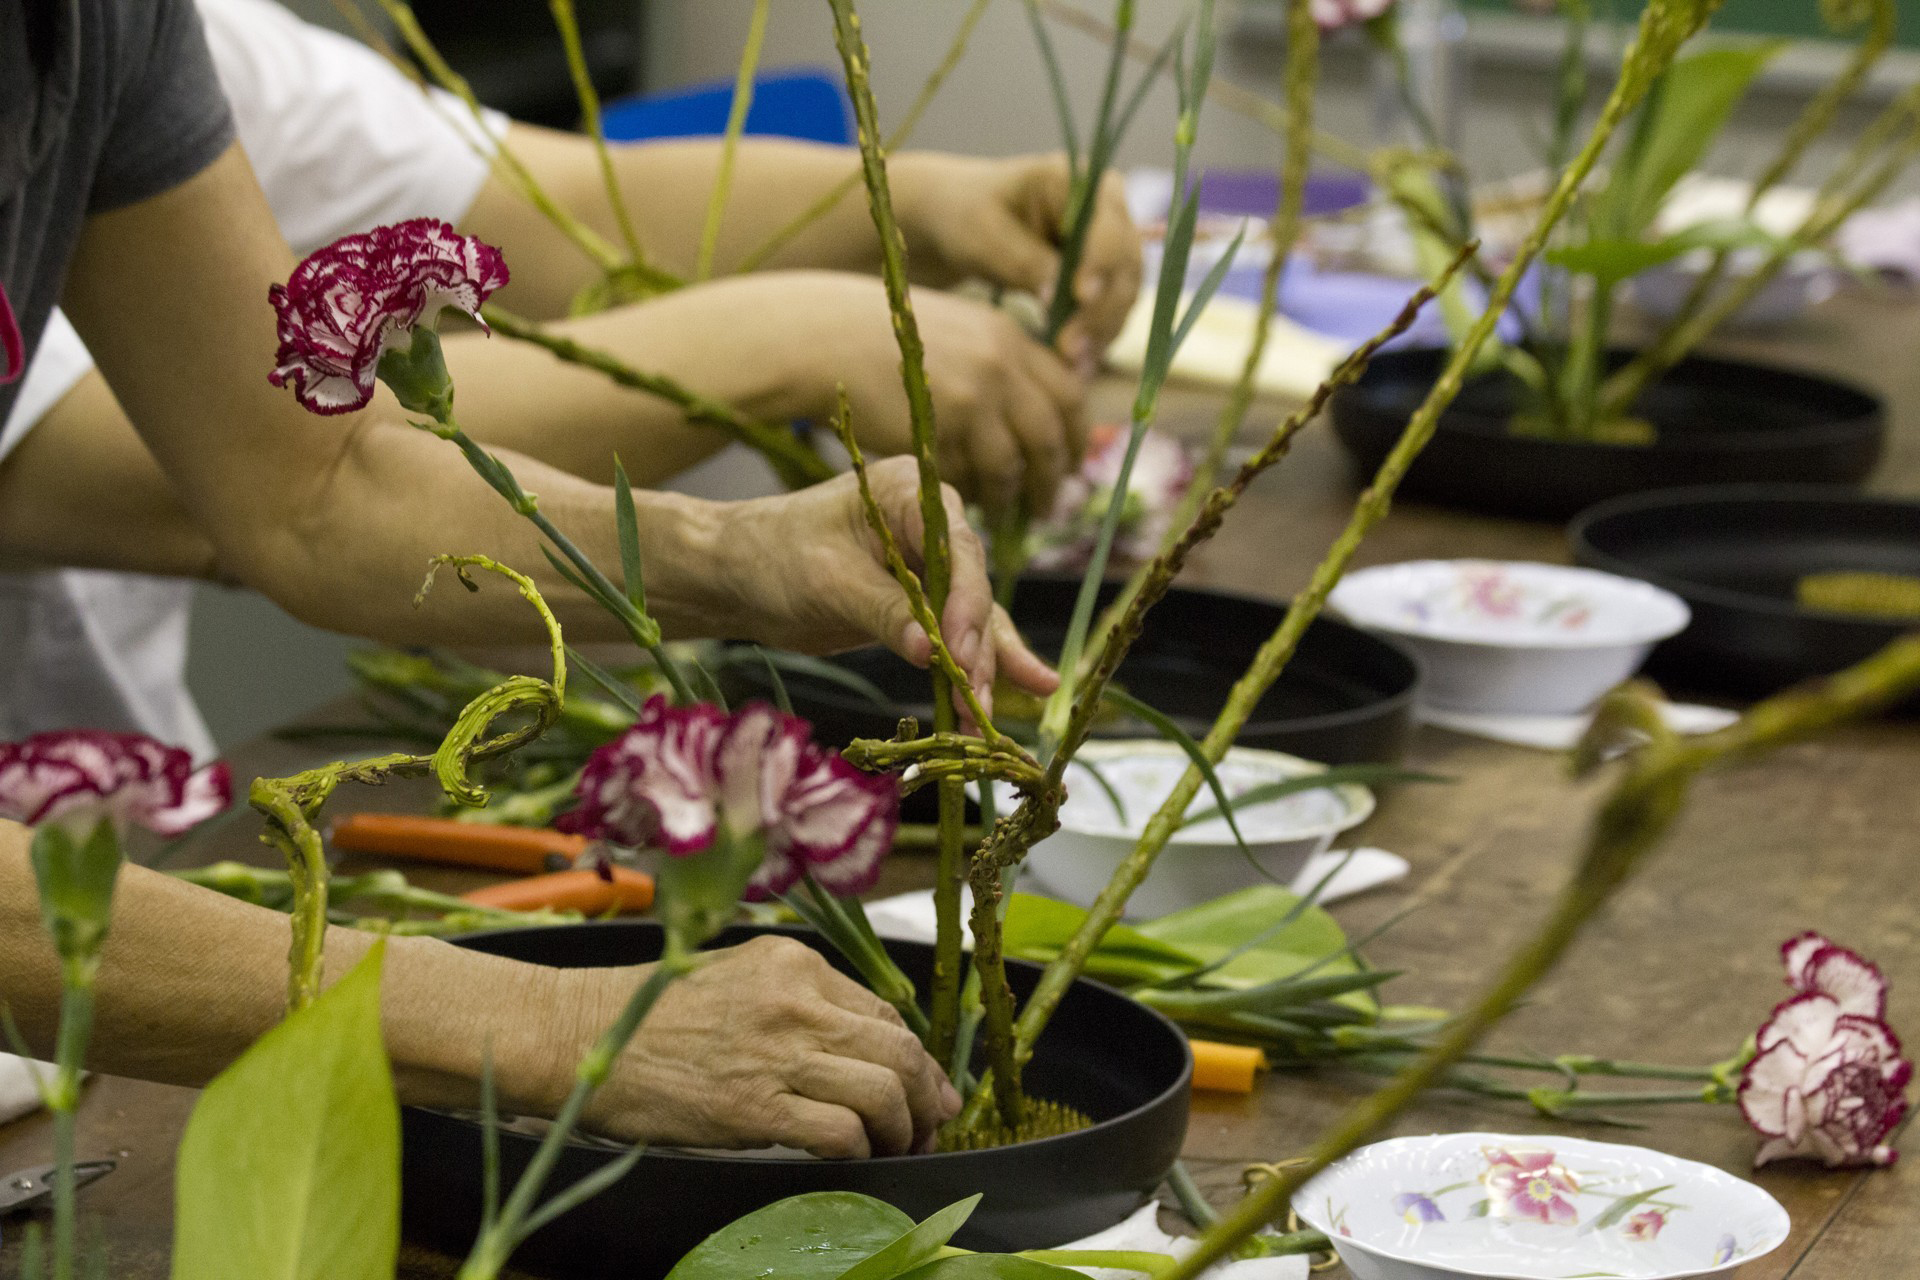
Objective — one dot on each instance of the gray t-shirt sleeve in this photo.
(170, 120)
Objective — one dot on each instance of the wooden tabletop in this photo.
(1680, 968)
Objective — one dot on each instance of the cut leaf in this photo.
(1363, 775)
(290, 1166)
(629, 528)
(992, 1266)
(1170, 730)
(817, 1236)
(1611, 261)
(1038, 928)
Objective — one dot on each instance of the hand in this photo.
(1009, 412)
(1000, 220)
(766, 1044)
(806, 572)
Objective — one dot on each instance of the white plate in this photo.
(1536, 1208)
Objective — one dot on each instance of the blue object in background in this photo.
(805, 103)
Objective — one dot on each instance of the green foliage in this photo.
(1611, 261)
(290, 1166)
(916, 1247)
(1679, 121)
(991, 1266)
(810, 1237)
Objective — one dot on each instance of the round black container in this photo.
(1118, 1061)
(1718, 422)
(1734, 553)
(1347, 697)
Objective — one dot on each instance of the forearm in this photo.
(171, 1008)
(666, 185)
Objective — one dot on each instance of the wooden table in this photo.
(1680, 968)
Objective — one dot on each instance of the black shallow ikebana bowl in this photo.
(1718, 422)
(1118, 1061)
(1347, 697)
(1735, 553)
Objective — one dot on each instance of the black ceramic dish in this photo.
(1347, 697)
(1116, 1060)
(1734, 553)
(1719, 422)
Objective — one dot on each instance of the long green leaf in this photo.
(1168, 729)
(290, 1165)
(1152, 73)
(622, 692)
(1611, 261)
(582, 1191)
(628, 524)
(1203, 294)
(1057, 82)
(800, 664)
(1340, 775)
(992, 1266)
(781, 698)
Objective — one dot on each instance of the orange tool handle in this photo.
(517, 850)
(1226, 1068)
(583, 891)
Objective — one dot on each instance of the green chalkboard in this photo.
(1761, 17)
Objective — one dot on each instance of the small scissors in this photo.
(31, 1188)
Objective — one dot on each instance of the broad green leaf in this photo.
(290, 1166)
(1212, 929)
(1611, 261)
(920, 1245)
(811, 1237)
(1038, 928)
(1679, 122)
(991, 1266)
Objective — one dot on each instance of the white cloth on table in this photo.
(19, 1095)
(340, 142)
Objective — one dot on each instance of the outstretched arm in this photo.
(722, 1061)
(996, 219)
(336, 518)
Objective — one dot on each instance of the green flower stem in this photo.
(497, 1243)
(63, 1101)
(1193, 1201)
(936, 555)
(1153, 1265)
(793, 460)
(568, 23)
(1663, 27)
(1629, 823)
(730, 141)
(839, 191)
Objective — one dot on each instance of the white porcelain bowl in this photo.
(1536, 1208)
(1511, 637)
(1201, 861)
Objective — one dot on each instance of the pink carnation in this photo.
(351, 302)
(80, 777)
(1825, 1083)
(1334, 14)
(1162, 472)
(1816, 965)
(677, 775)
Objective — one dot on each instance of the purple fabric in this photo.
(1355, 305)
(1253, 193)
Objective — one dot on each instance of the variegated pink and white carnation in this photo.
(77, 778)
(682, 774)
(351, 302)
(1162, 473)
(1827, 1080)
(1331, 15)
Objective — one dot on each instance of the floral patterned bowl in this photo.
(1536, 1208)
(1512, 637)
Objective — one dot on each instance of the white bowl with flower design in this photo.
(1513, 637)
(1536, 1208)
(1114, 787)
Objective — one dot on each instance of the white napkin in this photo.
(1296, 360)
(1563, 733)
(908, 917)
(1142, 1232)
(18, 1094)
